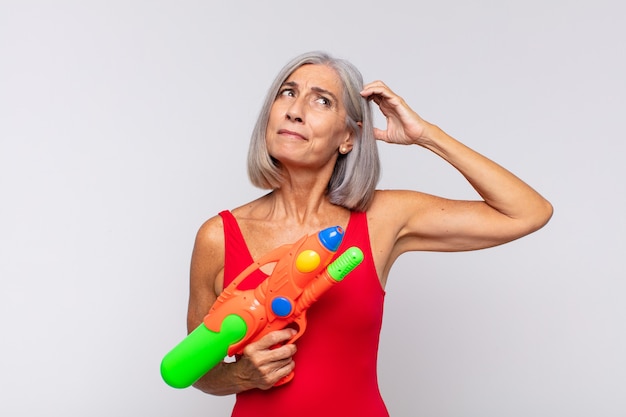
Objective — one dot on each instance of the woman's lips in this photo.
(286, 132)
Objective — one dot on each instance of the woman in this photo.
(314, 147)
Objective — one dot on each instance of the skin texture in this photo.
(306, 132)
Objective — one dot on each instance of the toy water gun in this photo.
(302, 273)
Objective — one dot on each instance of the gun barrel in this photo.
(345, 263)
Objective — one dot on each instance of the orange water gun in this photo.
(302, 273)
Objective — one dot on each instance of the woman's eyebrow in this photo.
(289, 84)
(325, 92)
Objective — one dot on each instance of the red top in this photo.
(335, 372)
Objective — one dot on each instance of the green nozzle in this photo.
(345, 263)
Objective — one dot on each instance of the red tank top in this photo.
(335, 373)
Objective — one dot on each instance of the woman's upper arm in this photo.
(430, 223)
(206, 271)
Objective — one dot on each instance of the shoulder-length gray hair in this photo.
(356, 173)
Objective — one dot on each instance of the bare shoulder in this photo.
(395, 215)
(210, 235)
(207, 261)
(387, 217)
(403, 196)
(396, 206)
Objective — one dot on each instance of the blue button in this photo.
(281, 306)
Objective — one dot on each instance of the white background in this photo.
(125, 124)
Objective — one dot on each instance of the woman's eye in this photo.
(324, 101)
(287, 92)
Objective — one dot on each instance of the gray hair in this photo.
(356, 173)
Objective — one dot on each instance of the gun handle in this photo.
(301, 321)
(285, 379)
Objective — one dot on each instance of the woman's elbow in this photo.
(541, 215)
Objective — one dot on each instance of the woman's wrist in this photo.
(431, 137)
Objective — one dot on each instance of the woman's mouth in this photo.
(296, 135)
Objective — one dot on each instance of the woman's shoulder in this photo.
(211, 233)
(390, 200)
(392, 209)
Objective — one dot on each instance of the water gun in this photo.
(302, 273)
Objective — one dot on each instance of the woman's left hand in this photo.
(404, 126)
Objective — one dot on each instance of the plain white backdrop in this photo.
(125, 124)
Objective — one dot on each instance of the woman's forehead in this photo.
(316, 75)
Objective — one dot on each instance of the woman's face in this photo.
(307, 123)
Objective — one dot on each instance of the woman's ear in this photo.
(348, 144)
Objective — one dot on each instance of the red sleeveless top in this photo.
(335, 373)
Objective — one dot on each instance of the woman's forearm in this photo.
(220, 380)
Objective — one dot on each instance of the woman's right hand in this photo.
(262, 364)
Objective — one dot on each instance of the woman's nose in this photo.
(295, 112)
(294, 118)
